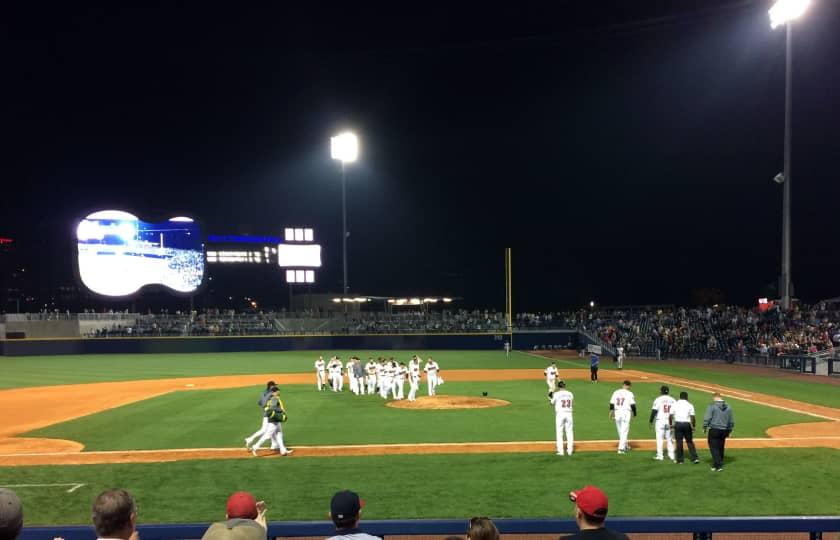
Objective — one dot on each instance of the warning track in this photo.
(22, 413)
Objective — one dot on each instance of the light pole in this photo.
(345, 148)
(784, 12)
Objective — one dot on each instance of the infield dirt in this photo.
(23, 411)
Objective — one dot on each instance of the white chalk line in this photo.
(73, 487)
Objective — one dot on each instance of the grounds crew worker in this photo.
(719, 420)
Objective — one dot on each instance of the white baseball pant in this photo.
(354, 384)
(321, 379)
(622, 424)
(336, 382)
(551, 382)
(432, 380)
(563, 423)
(371, 382)
(414, 386)
(275, 433)
(663, 433)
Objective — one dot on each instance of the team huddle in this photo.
(384, 376)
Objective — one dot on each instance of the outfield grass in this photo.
(222, 418)
(72, 369)
(800, 390)
(754, 482)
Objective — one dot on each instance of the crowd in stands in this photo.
(114, 515)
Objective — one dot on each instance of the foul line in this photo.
(73, 487)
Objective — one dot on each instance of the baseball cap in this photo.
(591, 500)
(345, 505)
(11, 510)
(242, 505)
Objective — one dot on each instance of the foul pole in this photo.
(508, 296)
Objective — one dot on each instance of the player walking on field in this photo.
(320, 373)
(720, 421)
(264, 397)
(413, 378)
(275, 413)
(432, 371)
(334, 368)
(551, 376)
(660, 420)
(620, 357)
(562, 401)
(622, 405)
(684, 423)
(370, 368)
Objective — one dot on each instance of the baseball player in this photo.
(684, 423)
(335, 374)
(551, 376)
(432, 370)
(264, 397)
(402, 371)
(351, 376)
(413, 378)
(370, 368)
(320, 373)
(359, 374)
(275, 413)
(620, 357)
(507, 349)
(661, 414)
(622, 404)
(385, 378)
(562, 401)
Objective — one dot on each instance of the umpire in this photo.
(684, 423)
(720, 421)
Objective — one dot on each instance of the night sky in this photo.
(624, 150)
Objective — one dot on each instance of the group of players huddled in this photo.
(384, 376)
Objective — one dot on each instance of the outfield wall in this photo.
(47, 347)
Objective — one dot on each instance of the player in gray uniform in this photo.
(264, 397)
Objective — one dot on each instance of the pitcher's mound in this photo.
(448, 402)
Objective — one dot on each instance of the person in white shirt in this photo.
(620, 358)
(385, 379)
(351, 376)
(320, 373)
(334, 368)
(562, 401)
(684, 423)
(370, 368)
(402, 372)
(551, 375)
(660, 420)
(413, 378)
(622, 404)
(432, 370)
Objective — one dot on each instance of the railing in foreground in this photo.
(701, 528)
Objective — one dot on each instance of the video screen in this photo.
(119, 254)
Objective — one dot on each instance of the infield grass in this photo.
(754, 482)
(222, 418)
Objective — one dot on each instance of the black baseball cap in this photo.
(345, 505)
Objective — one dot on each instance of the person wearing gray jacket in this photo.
(718, 423)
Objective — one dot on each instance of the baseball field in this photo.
(170, 429)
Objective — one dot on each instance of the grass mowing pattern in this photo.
(72, 369)
(754, 482)
(800, 390)
(222, 418)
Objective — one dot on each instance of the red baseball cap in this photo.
(591, 501)
(242, 505)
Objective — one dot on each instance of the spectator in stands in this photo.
(346, 512)
(591, 507)
(11, 515)
(482, 528)
(244, 520)
(114, 515)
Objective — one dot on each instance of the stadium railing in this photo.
(699, 527)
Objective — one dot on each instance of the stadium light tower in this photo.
(345, 148)
(784, 12)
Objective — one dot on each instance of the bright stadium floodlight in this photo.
(345, 147)
(785, 11)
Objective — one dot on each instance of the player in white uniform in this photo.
(351, 375)
(413, 378)
(432, 370)
(562, 400)
(320, 373)
(334, 368)
(622, 405)
(660, 419)
(551, 376)
(402, 371)
(370, 368)
(620, 358)
(385, 379)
